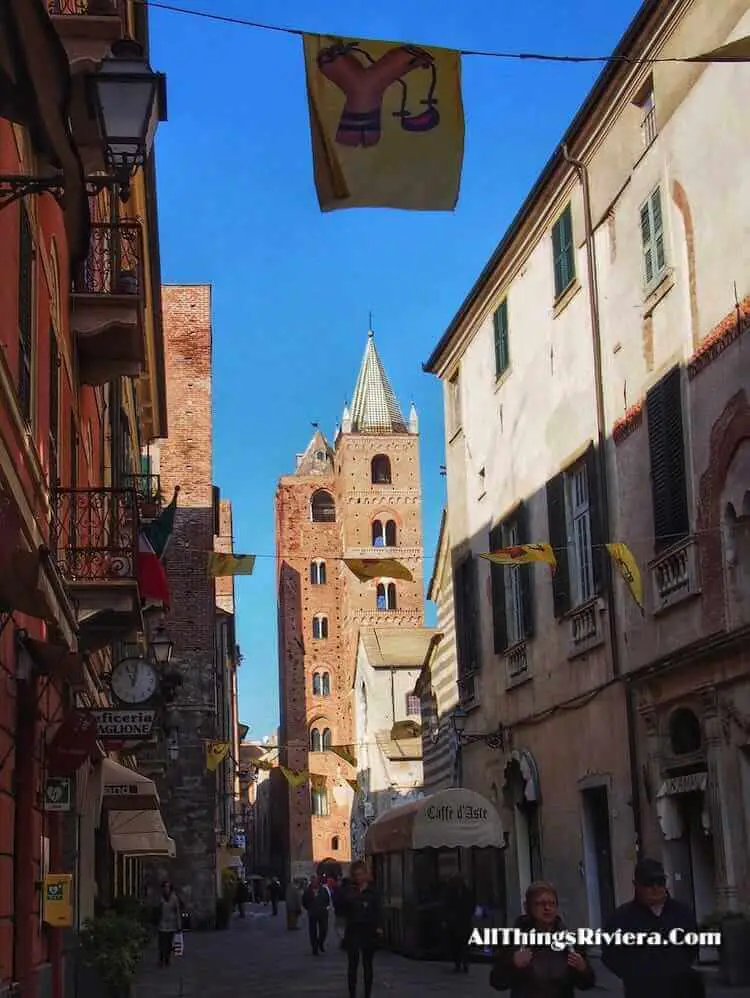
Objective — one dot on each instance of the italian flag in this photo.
(152, 545)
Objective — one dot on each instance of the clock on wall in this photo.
(134, 680)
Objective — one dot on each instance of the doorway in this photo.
(692, 856)
(597, 851)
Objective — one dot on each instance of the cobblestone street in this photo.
(257, 956)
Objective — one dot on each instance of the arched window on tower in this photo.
(316, 741)
(320, 627)
(326, 684)
(317, 684)
(318, 572)
(322, 507)
(327, 740)
(334, 843)
(390, 534)
(386, 596)
(378, 534)
(381, 470)
(319, 802)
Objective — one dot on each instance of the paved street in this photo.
(258, 956)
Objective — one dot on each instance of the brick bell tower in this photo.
(360, 498)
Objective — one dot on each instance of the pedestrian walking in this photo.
(339, 896)
(274, 895)
(458, 920)
(241, 897)
(362, 910)
(664, 971)
(539, 971)
(293, 906)
(170, 922)
(317, 903)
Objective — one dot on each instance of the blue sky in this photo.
(293, 287)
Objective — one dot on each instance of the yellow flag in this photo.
(220, 564)
(622, 556)
(367, 569)
(523, 554)
(736, 51)
(354, 785)
(387, 124)
(318, 782)
(295, 777)
(216, 753)
(262, 764)
(345, 752)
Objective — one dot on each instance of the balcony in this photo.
(674, 575)
(586, 627)
(396, 553)
(148, 494)
(107, 304)
(88, 27)
(94, 539)
(516, 664)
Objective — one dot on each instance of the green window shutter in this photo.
(563, 252)
(500, 322)
(667, 458)
(25, 314)
(648, 254)
(558, 538)
(497, 582)
(658, 230)
(527, 573)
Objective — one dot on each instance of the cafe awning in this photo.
(140, 833)
(125, 790)
(449, 819)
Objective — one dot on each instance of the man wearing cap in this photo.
(653, 971)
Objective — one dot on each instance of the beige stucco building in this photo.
(595, 386)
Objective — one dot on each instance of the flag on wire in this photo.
(345, 752)
(159, 531)
(523, 554)
(387, 124)
(216, 753)
(220, 565)
(736, 51)
(367, 569)
(623, 558)
(295, 777)
(354, 784)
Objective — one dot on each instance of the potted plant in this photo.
(112, 946)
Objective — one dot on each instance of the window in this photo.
(316, 742)
(563, 252)
(500, 324)
(326, 684)
(319, 803)
(454, 404)
(466, 606)
(381, 470)
(575, 534)
(335, 843)
(319, 455)
(384, 535)
(322, 507)
(318, 573)
(25, 317)
(386, 596)
(54, 409)
(667, 454)
(378, 534)
(511, 585)
(317, 684)
(413, 705)
(390, 534)
(327, 740)
(652, 239)
(647, 106)
(320, 627)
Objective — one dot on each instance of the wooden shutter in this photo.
(557, 257)
(467, 620)
(500, 323)
(497, 581)
(658, 231)
(648, 256)
(667, 452)
(562, 251)
(558, 538)
(526, 574)
(596, 498)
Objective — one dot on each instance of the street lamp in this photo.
(161, 647)
(128, 99)
(172, 729)
(492, 739)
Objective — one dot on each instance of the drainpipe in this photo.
(593, 289)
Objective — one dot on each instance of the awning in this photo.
(140, 833)
(125, 790)
(449, 819)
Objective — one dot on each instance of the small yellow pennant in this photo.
(216, 753)
(295, 777)
(367, 569)
(523, 554)
(220, 565)
(622, 556)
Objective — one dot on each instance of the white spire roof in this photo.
(375, 408)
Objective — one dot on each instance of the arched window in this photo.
(318, 572)
(320, 627)
(327, 741)
(381, 470)
(386, 596)
(684, 732)
(378, 534)
(319, 455)
(390, 534)
(326, 684)
(315, 740)
(322, 507)
(317, 685)
(319, 803)
(334, 843)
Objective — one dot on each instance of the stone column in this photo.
(719, 801)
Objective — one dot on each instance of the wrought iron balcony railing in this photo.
(148, 494)
(94, 534)
(114, 265)
(86, 8)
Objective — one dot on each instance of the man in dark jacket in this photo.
(653, 971)
(317, 901)
(458, 919)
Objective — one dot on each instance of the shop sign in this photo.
(58, 794)
(687, 784)
(122, 725)
(459, 814)
(72, 744)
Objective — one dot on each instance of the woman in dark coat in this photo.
(361, 907)
(540, 971)
(459, 919)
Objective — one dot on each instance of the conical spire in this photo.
(374, 408)
(318, 457)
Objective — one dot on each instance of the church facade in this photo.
(358, 497)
